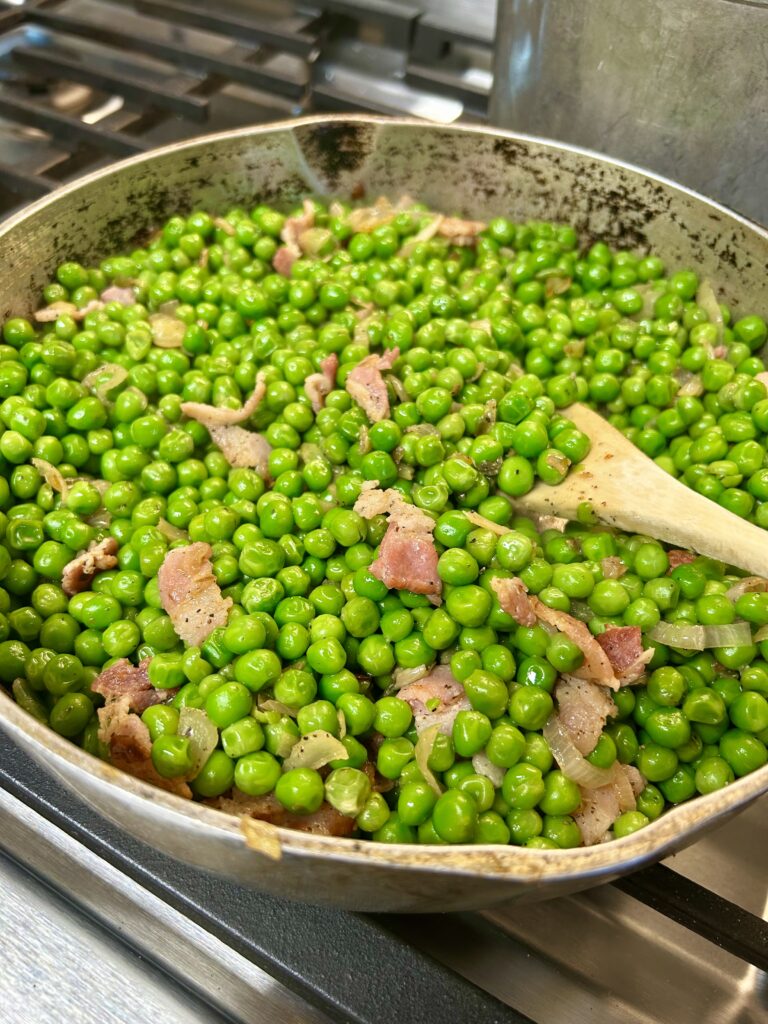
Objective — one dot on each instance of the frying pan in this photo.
(470, 171)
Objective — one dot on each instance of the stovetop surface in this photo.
(95, 926)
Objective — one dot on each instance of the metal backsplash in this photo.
(680, 88)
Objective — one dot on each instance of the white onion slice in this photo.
(486, 524)
(202, 734)
(52, 477)
(104, 379)
(422, 752)
(170, 531)
(705, 297)
(167, 331)
(484, 766)
(569, 760)
(270, 704)
(749, 585)
(405, 676)
(689, 637)
(760, 635)
(315, 750)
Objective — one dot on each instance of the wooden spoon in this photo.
(627, 489)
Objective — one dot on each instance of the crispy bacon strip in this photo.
(407, 558)
(190, 594)
(623, 645)
(368, 388)
(326, 821)
(319, 385)
(436, 699)
(78, 574)
(130, 747)
(215, 416)
(514, 600)
(596, 667)
(584, 709)
(126, 680)
(48, 314)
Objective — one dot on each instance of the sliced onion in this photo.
(481, 325)
(364, 442)
(365, 311)
(367, 218)
(580, 610)
(397, 386)
(690, 384)
(486, 524)
(52, 477)
(270, 704)
(706, 298)
(422, 752)
(315, 750)
(612, 567)
(202, 734)
(424, 235)
(749, 585)
(689, 637)
(223, 225)
(624, 791)
(760, 635)
(342, 723)
(488, 418)
(167, 331)
(314, 240)
(104, 379)
(557, 461)
(484, 766)
(557, 285)
(170, 531)
(422, 429)
(405, 676)
(569, 759)
(124, 296)
(100, 518)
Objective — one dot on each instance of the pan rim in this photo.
(501, 863)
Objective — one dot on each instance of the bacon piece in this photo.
(284, 259)
(190, 594)
(215, 416)
(319, 385)
(326, 821)
(130, 747)
(368, 388)
(445, 691)
(407, 558)
(583, 708)
(514, 600)
(293, 229)
(678, 557)
(623, 645)
(243, 448)
(596, 666)
(612, 567)
(48, 314)
(601, 807)
(126, 680)
(78, 574)
(460, 232)
(125, 296)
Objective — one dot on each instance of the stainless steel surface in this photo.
(465, 170)
(600, 957)
(44, 938)
(677, 87)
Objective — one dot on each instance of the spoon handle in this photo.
(626, 489)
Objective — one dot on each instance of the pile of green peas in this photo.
(487, 359)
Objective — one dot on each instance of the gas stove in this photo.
(94, 925)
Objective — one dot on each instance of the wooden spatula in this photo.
(627, 489)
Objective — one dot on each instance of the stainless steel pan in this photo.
(465, 170)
